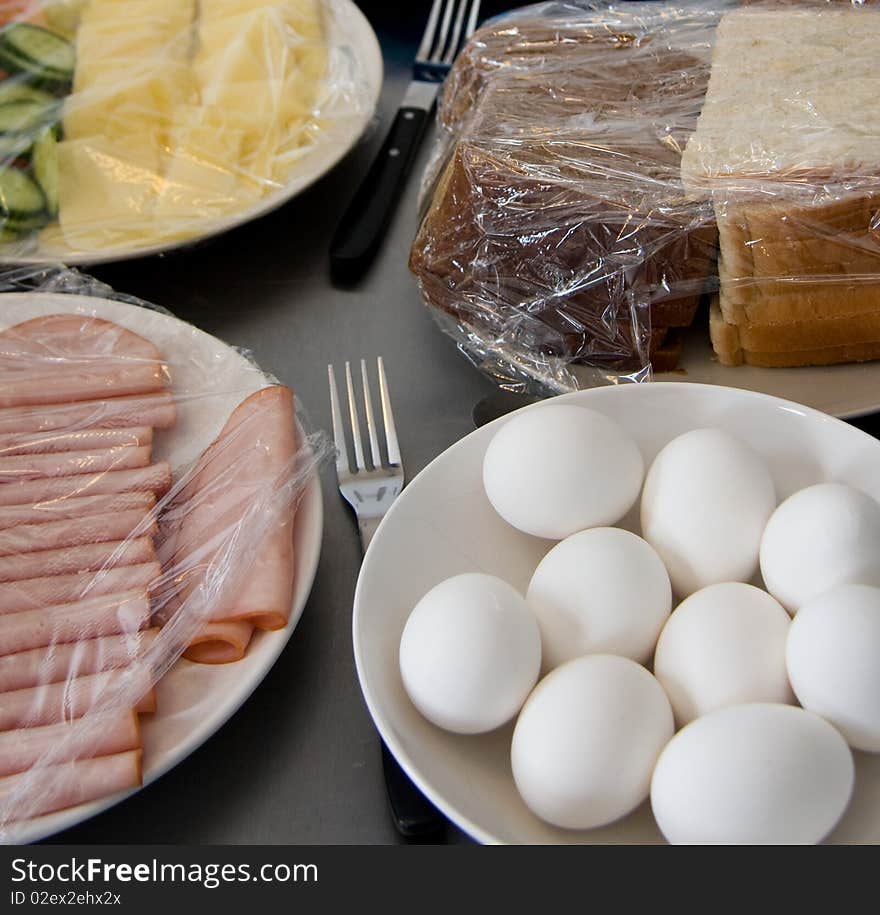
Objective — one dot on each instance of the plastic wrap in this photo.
(149, 483)
(787, 148)
(560, 243)
(155, 121)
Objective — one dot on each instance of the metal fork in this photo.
(370, 489)
(450, 24)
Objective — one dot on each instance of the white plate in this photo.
(193, 700)
(354, 33)
(846, 391)
(443, 525)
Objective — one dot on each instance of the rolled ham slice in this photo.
(67, 699)
(251, 457)
(57, 663)
(52, 535)
(67, 358)
(156, 410)
(109, 614)
(79, 440)
(51, 788)
(76, 507)
(221, 642)
(84, 738)
(71, 463)
(155, 478)
(64, 589)
(68, 560)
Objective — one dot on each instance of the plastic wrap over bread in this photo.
(787, 149)
(130, 124)
(149, 484)
(557, 238)
(601, 166)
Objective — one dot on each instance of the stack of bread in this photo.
(787, 148)
(558, 226)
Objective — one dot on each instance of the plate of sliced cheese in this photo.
(69, 745)
(129, 129)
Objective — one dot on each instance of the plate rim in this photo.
(311, 504)
(382, 725)
(374, 66)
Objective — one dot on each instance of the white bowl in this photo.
(443, 524)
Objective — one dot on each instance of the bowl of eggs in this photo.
(636, 614)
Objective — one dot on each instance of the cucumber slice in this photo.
(41, 56)
(16, 90)
(24, 117)
(44, 160)
(22, 203)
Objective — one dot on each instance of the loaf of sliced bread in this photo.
(787, 147)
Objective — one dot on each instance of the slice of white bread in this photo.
(729, 346)
(788, 147)
(793, 93)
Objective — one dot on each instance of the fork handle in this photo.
(367, 527)
(366, 219)
(413, 814)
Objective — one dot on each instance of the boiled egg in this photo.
(723, 645)
(555, 469)
(586, 741)
(833, 659)
(470, 653)
(706, 500)
(600, 591)
(758, 774)
(821, 537)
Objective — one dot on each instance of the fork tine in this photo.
(452, 50)
(430, 29)
(472, 19)
(342, 467)
(355, 422)
(373, 444)
(388, 417)
(444, 31)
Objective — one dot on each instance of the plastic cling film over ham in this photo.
(614, 183)
(145, 122)
(115, 573)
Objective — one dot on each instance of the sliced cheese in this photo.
(107, 191)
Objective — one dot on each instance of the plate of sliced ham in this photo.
(152, 479)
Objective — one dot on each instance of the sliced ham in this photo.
(221, 642)
(251, 457)
(85, 738)
(109, 614)
(71, 463)
(52, 788)
(63, 589)
(156, 410)
(155, 478)
(67, 699)
(52, 535)
(78, 440)
(76, 507)
(68, 358)
(68, 560)
(58, 663)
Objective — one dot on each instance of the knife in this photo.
(363, 226)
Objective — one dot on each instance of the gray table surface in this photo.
(299, 763)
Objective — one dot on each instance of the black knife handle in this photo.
(363, 225)
(413, 814)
